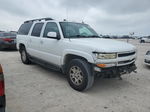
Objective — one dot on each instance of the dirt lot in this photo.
(31, 88)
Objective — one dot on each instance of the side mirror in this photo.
(53, 35)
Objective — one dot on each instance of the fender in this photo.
(21, 40)
(85, 55)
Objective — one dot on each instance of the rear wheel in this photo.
(80, 75)
(24, 57)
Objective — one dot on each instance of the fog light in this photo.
(97, 69)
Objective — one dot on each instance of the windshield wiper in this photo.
(93, 36)
(77, 36)
(82, 36)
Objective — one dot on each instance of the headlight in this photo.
(106, 56)
(148, 53)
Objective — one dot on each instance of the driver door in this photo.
(51, 46)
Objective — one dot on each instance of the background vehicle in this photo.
(7, 40)
(145, 40)
(2, 91)
(75, 49)
(147, 58)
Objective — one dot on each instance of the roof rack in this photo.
(46, 19)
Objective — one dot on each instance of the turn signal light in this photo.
(7, 39)
(101, 65)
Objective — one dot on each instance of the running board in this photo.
(45, 64)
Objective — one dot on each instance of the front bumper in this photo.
(115, 71)
(2, 101)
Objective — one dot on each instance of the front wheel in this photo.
(80, 75)
(24, 56)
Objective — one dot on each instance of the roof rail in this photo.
(46, 19)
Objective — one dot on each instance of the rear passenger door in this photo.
(34, 40)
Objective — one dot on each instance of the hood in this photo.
(104, 45)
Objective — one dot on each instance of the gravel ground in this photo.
(32, 88)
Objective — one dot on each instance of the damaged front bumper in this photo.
(115, 71)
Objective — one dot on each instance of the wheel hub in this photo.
(76, 75)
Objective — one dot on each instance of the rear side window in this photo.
(37, 29)
(25, 28)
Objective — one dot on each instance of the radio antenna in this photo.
(67, 17)
(83, 20)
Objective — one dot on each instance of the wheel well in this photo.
(70, 57)
(21, 46)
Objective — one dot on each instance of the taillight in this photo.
(2, 86)
(1, 70)
(7, 39)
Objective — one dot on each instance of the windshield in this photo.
(77, 30)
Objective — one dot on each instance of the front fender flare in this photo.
(85, 55)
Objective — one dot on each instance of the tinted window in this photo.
(77, 30)
(8, 34)
(1, 34)
(51, 27)
(37, 29)
(25, 28)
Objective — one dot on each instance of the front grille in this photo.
(126, 54)
(124, 62)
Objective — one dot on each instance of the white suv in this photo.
(75, 49)
(147, 58)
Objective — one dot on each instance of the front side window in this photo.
(37, 29)
(51, 27)
(77, 30)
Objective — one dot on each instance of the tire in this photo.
(142, 41)
(2, 109)
(24, 56)
(80, 75)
